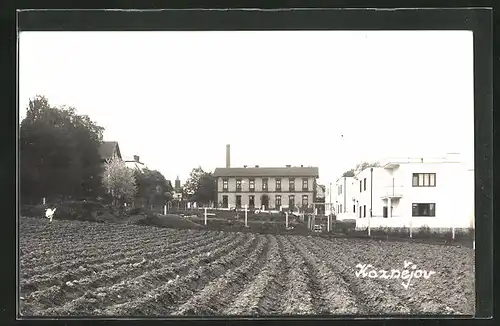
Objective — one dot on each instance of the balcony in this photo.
(392, 192)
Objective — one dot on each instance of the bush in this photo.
(33, 210)
(344, 226)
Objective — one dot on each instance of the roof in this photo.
(267, 172)
(107, 149)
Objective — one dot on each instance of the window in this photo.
(278, 201)
(305, 184)
(424, 180)
(291, 184)
(364, 210)
(264, 184)
(291, 201)
(360, 186)
(305, 201)
(225, 185)
(251, 185)
(340, 190)
(354, 208)
(360, 211)
(238, 185)
(224, 201)
(423, 209)
(340, 211)
(364, 184)
(278, 184)
(238, 201)
(251, 201)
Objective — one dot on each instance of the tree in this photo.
(200, 186)
(119, 180)
(59, 152)
(349, 173)
(359, 167)
(152, 187)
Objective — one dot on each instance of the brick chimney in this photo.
(228, 156)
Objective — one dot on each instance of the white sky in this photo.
(177, 98)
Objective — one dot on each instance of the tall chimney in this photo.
(228, 156)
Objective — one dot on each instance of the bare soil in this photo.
(75, 268)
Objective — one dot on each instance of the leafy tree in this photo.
(349, 173)
(200, 186)
(59, 152)
(359, 167)
(119, 180)
(152, 187)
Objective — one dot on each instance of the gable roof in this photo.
(268, 172)
(108, 148)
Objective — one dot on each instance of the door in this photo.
(251, 201)
(265, 201)
(385, 211)
(224, 201)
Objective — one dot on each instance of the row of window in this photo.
(418, 209)
(251, 184)
(265, 201)
(424, 180)
(418, 180)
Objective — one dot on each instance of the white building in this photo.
(344, 198)
(134, 163)
(433, 192)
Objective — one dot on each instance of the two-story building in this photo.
(433, 192)
(134, 163)
(343, 202)
(279, 188)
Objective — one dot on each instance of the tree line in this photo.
(60, 160)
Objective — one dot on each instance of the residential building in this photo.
(108, 149)
(433, 192)
(287, 188)
(344, 203)
(134, 163)
(320, 199)
(279, 188)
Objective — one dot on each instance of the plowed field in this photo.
(78, 268)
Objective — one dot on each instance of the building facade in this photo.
(135, 163)
(433, 192)
(343, 194)
(268, 188)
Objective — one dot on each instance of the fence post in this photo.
(286, 215)
(205, 216)
(369, 226)
(43, 200)
(411, 229)
(453, 232)
(164, 209)
(246, 215)
(328, 223)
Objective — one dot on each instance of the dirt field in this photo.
(84, 268)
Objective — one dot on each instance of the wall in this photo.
(258, 191)
(453, 195)
(348, 191)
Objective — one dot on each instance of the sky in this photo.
(329, 99)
